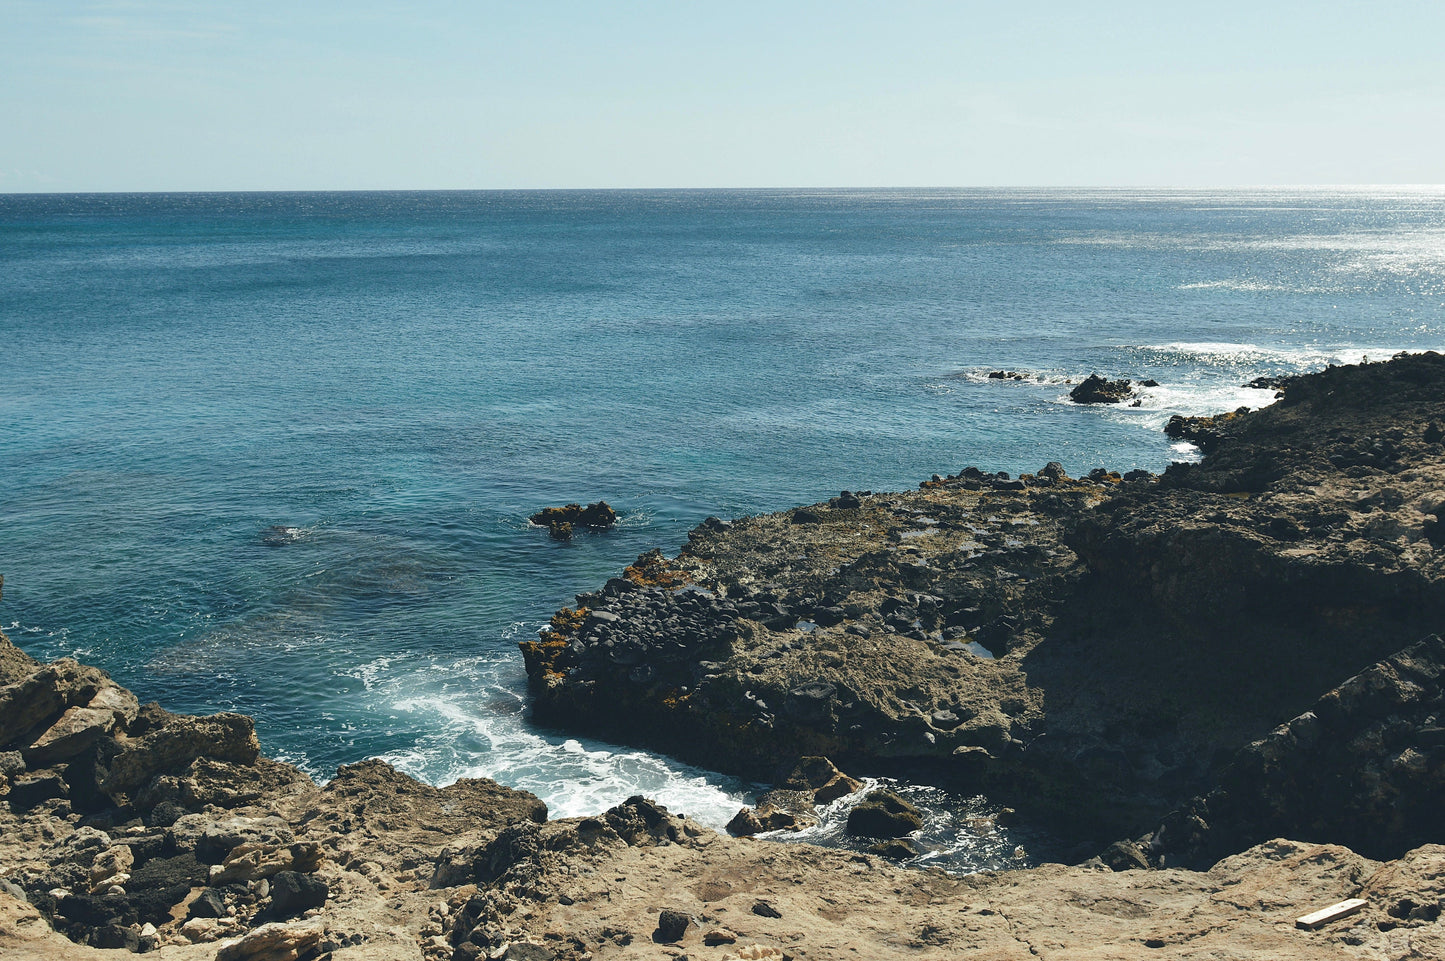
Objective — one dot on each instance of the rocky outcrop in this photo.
(846, 629)
(125, 826)
(1099, 390)
(559, 521)
(1365, 765)
(1091, 651)
(1202, 432)
(792, 806)
(1227, 652)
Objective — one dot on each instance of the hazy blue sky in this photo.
(152, 95)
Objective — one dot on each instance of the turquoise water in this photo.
(275, 453)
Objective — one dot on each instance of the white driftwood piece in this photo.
(1322, 917)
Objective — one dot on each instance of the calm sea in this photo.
(275, 453)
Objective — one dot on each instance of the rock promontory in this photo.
(1095, 651)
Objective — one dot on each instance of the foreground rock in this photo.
(376, 867)
(1144, 631)
(126, 826)
(605, 887)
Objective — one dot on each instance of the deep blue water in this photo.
(403, 377)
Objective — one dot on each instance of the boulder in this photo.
(778, 810)
(293, 892)
(172, 742)
(249, 862)
(819, 776)
(560, 521)
(30, 705)
(671, 926)
(77, 729)
(210, 903)
(746, 823)
(883, 814)
(275, 942)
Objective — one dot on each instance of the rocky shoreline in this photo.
(125, 827)
(1094, 652)
(1175, 671)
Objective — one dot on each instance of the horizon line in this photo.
(731, 189)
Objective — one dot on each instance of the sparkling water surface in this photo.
(275, 453)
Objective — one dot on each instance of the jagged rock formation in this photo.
(1099, 390)
(1145, 629)
(126, 826)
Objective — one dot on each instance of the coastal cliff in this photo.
(1093, 652)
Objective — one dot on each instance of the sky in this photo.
(120, 95)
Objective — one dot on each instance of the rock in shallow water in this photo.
(884, 814)
(1097, 390)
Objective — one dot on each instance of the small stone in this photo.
(719, 936)
(208, 904)
(765, 910)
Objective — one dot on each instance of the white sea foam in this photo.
(475, 726)
(1297, 359)
(1254, 286)
(980, 375)
(958, 834)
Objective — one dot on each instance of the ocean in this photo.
(275, 453)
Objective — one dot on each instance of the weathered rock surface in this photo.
(130, 827)
(523, 887)
(1144, 630)
(1379, 732)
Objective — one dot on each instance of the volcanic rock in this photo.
(559, 521)
(1142, 630)
(1097, 390)
(883, 814)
